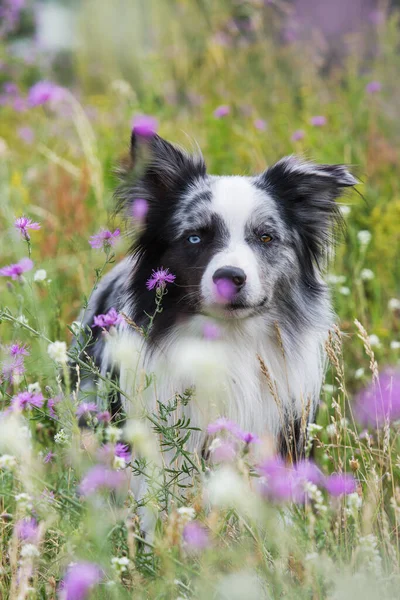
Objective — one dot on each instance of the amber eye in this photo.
(265, 238)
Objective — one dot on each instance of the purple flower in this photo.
(23, 224)
(15, 271)
(49, 457)
(10, 88)
(13, 368)
(260, 124)
(308, 471)
(43, 92)
(145, 125)
(104, 416)
(86, 407)
(222, 424)
(379, 401)
(122, 451)
(211, 331)
(51, 402)
(159, 279)
(282, 482)
(99, 477)
(222, 111)
(195, 536)
(225, 451)
(19, 104)
(318, 121)
(249, 438)
(297, 135)
(373, 87)
(108, 320)
(340, 483)
(140, 208)
(27, 400)
(26, 134)
(104, 239)
(27, 530)
(18, 350)
(79, 579)
(225, 290)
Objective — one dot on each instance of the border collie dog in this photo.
(265, 238)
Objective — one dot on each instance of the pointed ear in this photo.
(306, 194)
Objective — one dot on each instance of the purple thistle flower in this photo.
(10, 88)
(104, 239)
(308, 471)
(99, 477)
(249, 438)
(79, 579)
(49, 457)
(225, 290)
(222, 424)
(108, 320)
(104, 417)
(27, 400)
(159, 279)
(86, 407)
(122, 451)
(140, 208)
(20, 104)
(211, 331)
(18, 350)
(26, 134)
(260, 124)
(51, 402)
(16, 270)
(13, 368)
(318, 121)
(23, 224)
(379, 401)
(43, 92)
(373, 87)
(297, 135)
(27, 530)
(222, 111)
(340, 483)
(195, 536)
(282, 482)
(144, 125)
(225, 451)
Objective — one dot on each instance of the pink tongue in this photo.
(225, 290)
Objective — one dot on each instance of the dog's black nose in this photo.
(233, 274)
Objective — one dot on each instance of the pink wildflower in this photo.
(195, 536)
(27, 400)
(27, 530)
(373, 87)
(297, 135)
(16, 270)
(104, 239)
(43, 92)
(23, 224)
(99, 477)
(108, 320)
(338, 484)
(318, 121)
(85, 408)
(159, 279)
(79, 580)
(260, 124)
(18, 350)
(222, 111)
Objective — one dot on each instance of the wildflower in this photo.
(358, 373)
(222, 111)
(374, 340)
(99, 477)
(353, 504)
(345, 210)
(344, 290)
(331, 430)
(43, 92)
(27, 400)
(260, 124)
(13, 368)
(328, 389)
(122, 450)
(159, 279)
(61, 438)
(368, 550)
(225, 290)
(8, 462)
(27, 530)
(367, 274)
(79, 580)
(18, 350)
(211, 331)
(40, 275)
(335, 279)
(16, 270)
(222, 451)
(318, 121)
(338, 484)
(34, 388)
(58, 352)
(277, 482)
(86, 408)
(379, 401)
(314, 494)
(297, 135)
(395, 345)
(313, 429)
(104, 239)
(29, 551)
(222, 424)
(186, 513)
(120, 564)
(113, 434)
(26, 134)
(373, 87)
(394, 304)
(49, 458)
(24, 501)
(51, 402)
(225, 488)
(195, 536)
(104, 417)
(23, 224)
(108, 320)
(364, 237)
(140, 209)
(145, 126)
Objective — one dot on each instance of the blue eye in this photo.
(194, 239)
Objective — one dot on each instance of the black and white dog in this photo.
(268, 236)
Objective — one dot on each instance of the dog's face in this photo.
(239, 246)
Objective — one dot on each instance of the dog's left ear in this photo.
(306, 193)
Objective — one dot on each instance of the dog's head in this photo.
(239, 246)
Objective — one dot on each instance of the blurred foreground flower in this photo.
(297, 135)
(58, 352)
(222, 111)
(27, 530)
(318, 121)
(195, 536)
(159, 279)
(99, 477)
(339, 484)
(16, 270)
(108, 320)
(380, 401)
(27, 400)
(144, 125)
(43, 92)
(104, 239)
(79, 580)
(373, 87)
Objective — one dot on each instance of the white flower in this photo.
(61, 438)
(374, 341)
(225, 488)
(34, 388)
(8, 462)
(113, 434)
(335, 279)
(328, 388)
(358, 373)
(40, 275)
(121, 87)
(394, 304)
(29, 551)
(119, 463)
(369, 551)
(120, 564)
(345, 210)
(364, 237)
(344, 290)
(313, 429)
(24, 501)
(395, 345)
(353, 500)
(186, 514)
(58, 352)
(367, 274)
(331, 430)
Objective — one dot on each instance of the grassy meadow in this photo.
(69, 525)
